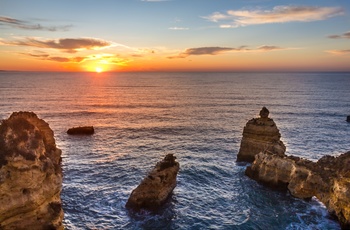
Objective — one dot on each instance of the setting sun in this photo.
(98, 69)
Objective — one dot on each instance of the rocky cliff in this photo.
(30, 174)
(258, 135)
(328, 179)
(156, 187)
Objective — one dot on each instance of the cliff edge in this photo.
(30, 174)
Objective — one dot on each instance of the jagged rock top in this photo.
(264, 112)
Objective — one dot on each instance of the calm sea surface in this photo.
(199, 117)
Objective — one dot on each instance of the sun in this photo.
(98, 69)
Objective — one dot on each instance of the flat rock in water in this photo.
(83, 130)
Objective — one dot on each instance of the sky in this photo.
(175, 35)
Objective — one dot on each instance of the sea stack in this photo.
(260, 134)
(328, 179)
(156, 187)
(30, 174)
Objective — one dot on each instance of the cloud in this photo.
(178, 28)
(279, 14)
(69, 45)
(220, 50)
(339, 52)
(20, 24)
(202, 51)
(47, 57)
(345, 35)
(268, 48)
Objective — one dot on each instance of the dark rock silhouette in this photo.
(156, 187)
(30, 174)
(81, 130)
(260, 134)
(348, 118)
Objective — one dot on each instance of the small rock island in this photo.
(30, 174)
(328, 179)
(156, 187)
(81, 130)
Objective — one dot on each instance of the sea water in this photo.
(198, 117)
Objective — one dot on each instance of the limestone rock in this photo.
(328, 179)
(82, 130)
(156, 187)
(260, 134)
(30, 174)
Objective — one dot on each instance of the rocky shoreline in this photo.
(328, 179)
(31, 173)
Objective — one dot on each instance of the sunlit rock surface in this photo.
(328, 179)
(258, 135)
(30, 174)
(156, 187)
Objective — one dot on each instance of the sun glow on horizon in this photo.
(98, 70)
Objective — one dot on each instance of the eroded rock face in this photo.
(30, 174)
(258, 135)
(156, 187)
(328, 179)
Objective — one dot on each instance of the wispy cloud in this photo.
(221, 50)
(47, 57)
(69, 45)
(339, 52)
(109, 59)
(345, 35)
(279, 14)
(20, 24)
(178, 28)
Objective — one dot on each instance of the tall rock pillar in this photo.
(260, 134)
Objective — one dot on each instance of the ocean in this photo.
(198, 117)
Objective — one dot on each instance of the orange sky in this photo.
(163, 36)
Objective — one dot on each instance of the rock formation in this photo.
(258, 135)
(84, 130)
(328, 179)
(348, 118)
(156, 187)
(30, 174)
